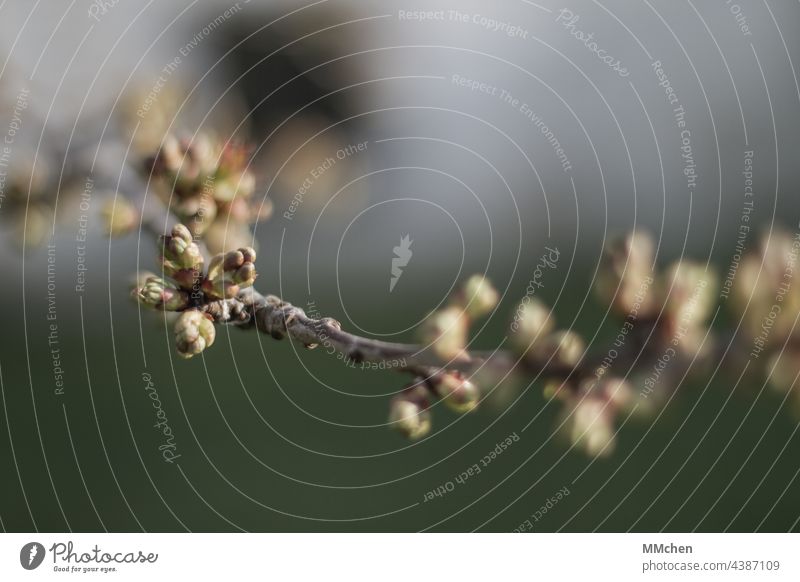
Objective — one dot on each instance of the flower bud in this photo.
(562, 348)
(532, 322)
(409, 412)
(589, 426)
(230, 272)
(625, 274)
(159, 294)
(181, 257)
(783, 368)
(446, 332)
(179, 251)
(120, 217)
(691, 294)
(478, 297)
(458, 393)
(194, 332)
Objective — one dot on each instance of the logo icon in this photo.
(31, 555)
(402, 256)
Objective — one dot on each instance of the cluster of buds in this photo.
(671, 308)
(446, 331)
(410, 410)
(767, 298)
(680, 298)
(185, 289)
(209, 187)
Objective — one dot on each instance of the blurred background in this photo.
(486, 132)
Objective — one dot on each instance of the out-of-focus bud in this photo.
(234, 187)
(194, 332)
(230, 272)
(225, 235)
(532, 322)
(692, 294)
(446, 332)
(556, 389)
(458, 393)
(188, 162)
(409, 412)
(589, 426)
(783, 368)
(120, 217)
(181, 257)
(562, 348)
(624, 277)
(32, 226)
(197, 212)
(159, 294)
(169, 158)
(478, 297)
(761, 281)
(618, 392)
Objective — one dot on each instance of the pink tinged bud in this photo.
(158, 294)
(179, 251)
(194, 332)
(458, 393)
(230, 272)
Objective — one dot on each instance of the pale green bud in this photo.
(458, 393)
(120, 217)
(159, 294)
(229, 273)
(194, 332)
(446, 332)
(532, 322)
(589, 426)
(409, 413)
(478, 297)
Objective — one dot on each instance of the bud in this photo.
(690, 294)
(409, 412)
(618, 392)
(181, 257)
(562, 348)
(458, 393)
(446, 332)
(478, 297)
(625, 269)
(194, 332)
(120, 217)
(235, 187)
(532, 322)
(197, 212)
(589, 426)
(783, 368)
(159, 294)
(230, 272)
